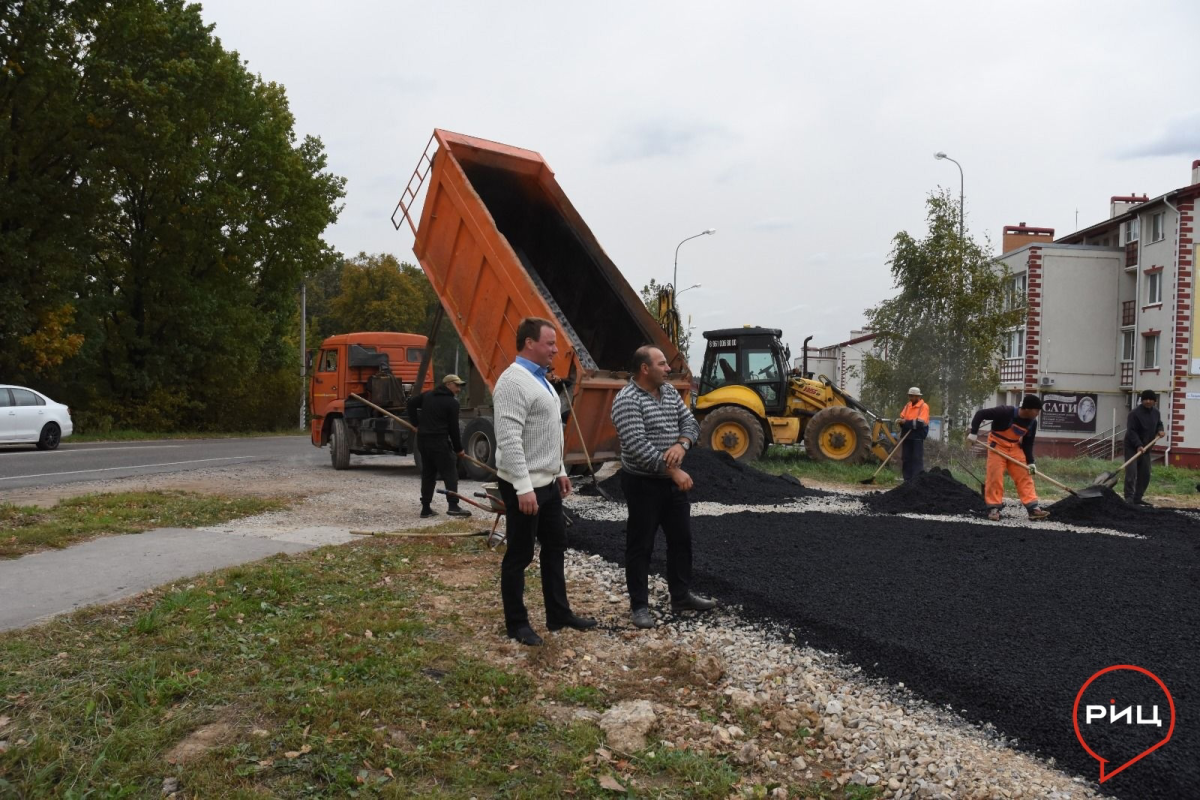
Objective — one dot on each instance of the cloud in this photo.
(663, 139)
(1181, 137)
(772, 224)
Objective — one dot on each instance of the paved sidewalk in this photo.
(36, 587)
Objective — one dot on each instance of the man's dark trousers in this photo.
(655, 502)
(549, 528)
(913, 454)
(437, 460)
(1137, 475)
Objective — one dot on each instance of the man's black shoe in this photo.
(641, 618)
(458, 511)
(526, 636)
(574, 621)
(693, 602)
(1140, 502)
(426, 513)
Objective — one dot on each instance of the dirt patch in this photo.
(719, 478)
(201, 741)
(932, 492)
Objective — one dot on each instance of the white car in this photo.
(29, 416)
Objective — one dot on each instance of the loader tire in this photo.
(838, 434)
(339, 444)
(734, 430)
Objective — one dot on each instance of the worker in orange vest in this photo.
(914, 421)
(1013, 430)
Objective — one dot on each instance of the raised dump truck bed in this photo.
(500, 241)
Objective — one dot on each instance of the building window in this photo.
(1150, 352)
(1014, 343)
(1131, 230)
(1158, 226)
(1153, 287)
(1127, 346)
(1015, 291)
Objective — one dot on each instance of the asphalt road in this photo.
(24, 467)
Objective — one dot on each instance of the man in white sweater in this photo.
(533, 482)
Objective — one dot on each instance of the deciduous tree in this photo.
(944, 328)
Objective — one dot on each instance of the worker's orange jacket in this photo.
(917, 413)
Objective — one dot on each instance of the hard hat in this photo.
(915, 390)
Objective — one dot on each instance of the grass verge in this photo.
(336, 673)
(1175, 482)
(137, 436)
(24, 529)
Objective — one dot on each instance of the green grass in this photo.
(1176, 482)
(315, 706)
(137, 436)
(24, 529)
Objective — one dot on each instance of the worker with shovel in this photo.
(1013, 432)
(914, 423)
(435, 415)
(1142, 427)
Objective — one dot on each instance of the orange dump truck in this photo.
(500, 241)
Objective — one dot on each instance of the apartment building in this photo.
(1109, 312)
(841, 362)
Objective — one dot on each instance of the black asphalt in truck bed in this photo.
(1004, 624)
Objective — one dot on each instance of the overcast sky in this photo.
(803, 132)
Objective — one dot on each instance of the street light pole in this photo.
(675, 274)
(940, 156)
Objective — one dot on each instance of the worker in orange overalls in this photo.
(1013, 430)
(914, 421)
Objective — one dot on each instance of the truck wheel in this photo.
(733, 430)
(339, 444)
(479, 442)
(840, 434)
(51, 436)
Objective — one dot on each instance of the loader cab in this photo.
(750, 357)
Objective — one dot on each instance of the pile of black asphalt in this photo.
(1004, 624)
(719, 478)
(1111, 511)
(933, 492)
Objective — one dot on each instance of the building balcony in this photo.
(1128, 313)
(1131, 254)
(1012, 370)
(1126, 373)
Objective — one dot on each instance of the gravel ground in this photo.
(1003, 623)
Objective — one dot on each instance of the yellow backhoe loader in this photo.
(750, 397)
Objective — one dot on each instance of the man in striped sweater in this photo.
(656, 429)
(533, 482)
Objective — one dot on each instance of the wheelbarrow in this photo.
(495, 505)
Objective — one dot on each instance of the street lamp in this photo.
(688, 289)
(940, 156)
(675, 274)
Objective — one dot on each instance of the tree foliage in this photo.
(158, 217)
(944, 329)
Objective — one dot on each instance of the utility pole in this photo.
(303, 355)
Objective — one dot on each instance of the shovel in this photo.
(871, 479)
(1085, 493)
(1109, 479)
(583, 444)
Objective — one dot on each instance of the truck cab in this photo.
(380, 366)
